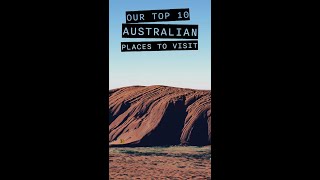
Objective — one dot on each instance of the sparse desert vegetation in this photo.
(175, 162)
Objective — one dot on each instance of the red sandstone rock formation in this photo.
(159, 116)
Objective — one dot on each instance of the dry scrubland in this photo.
(175, 162)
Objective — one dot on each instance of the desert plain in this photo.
(152, 163)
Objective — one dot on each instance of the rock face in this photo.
(159, 116)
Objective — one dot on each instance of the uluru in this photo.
(159, 116)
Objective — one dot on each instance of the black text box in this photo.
(176, 31)
(158, 15)
(159, 46)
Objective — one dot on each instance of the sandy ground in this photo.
(160, 163)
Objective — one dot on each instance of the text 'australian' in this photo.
(160, 31)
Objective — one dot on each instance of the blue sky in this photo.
(188, 69)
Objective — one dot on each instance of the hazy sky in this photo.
(189, 69)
